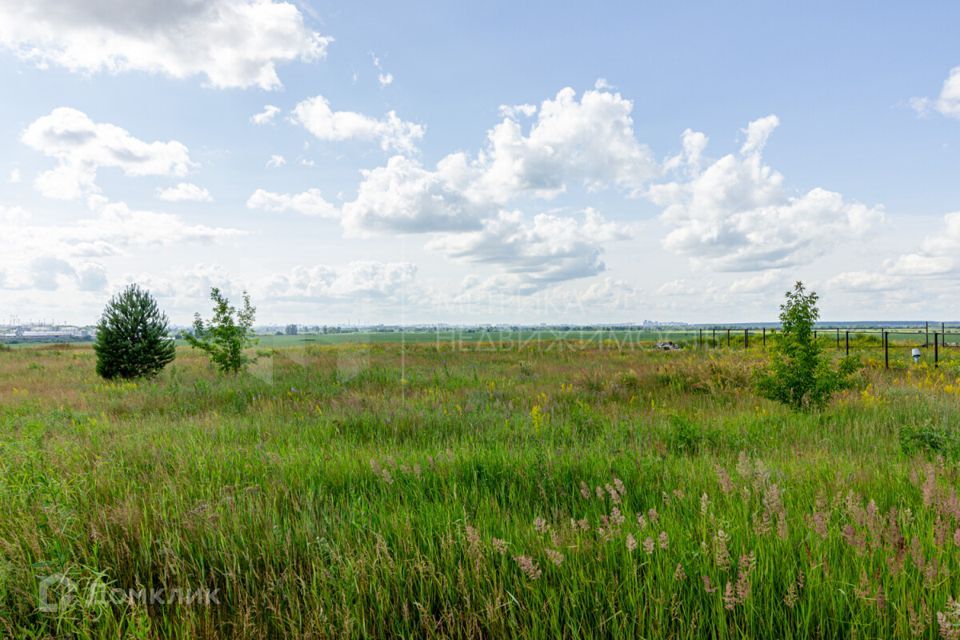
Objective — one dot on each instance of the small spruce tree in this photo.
(225, 336)
(132, 336)
(799, 375)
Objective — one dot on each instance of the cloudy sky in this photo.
(418, 162)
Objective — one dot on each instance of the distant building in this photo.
(45, 333)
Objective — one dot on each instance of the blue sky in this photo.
(670, 161)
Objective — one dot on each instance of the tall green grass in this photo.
(546, 491)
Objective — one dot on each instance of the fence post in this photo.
(926, 334)
(838, 337)
(936, 351)
(714, 337)
(886, 350)
(700, 338)
(848, 342)
(943, 334)
(746, 338)
(728, 338)
(764, 337)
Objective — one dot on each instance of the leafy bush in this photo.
(685, 436)
(678, 378)
(866, 339)
(132, 337)
(929, 439)
(225, 336)
(798, 374)
(623, 386)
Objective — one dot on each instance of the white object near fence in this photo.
(916, 354)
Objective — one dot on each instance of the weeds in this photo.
(929, 439)
(684, 437)
(579, 494)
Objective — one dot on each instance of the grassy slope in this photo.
(352, 491)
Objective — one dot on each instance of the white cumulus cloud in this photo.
(403, 197)
(392, 133)
(91, 277)
(385, 78)
(936, 255)
(184, 192)
(14, 215)
(52, 273)
(587, 142)
(308, 203)
(231, 43)
(516, 111)
(47, 273)
(534, 255)
(915, 264)
(82, 146)
(947, 103)
(735, 214)
(266, 116)
(117, 223)
(51, 256)
(946, 241)
(360, 279)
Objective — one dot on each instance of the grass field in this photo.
(624, 337)
(541, 489)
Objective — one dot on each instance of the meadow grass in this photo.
(538, 490)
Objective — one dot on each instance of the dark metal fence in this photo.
(932, 339)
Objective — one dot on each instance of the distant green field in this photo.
(866, 344)
(690, 336)
(492, 336)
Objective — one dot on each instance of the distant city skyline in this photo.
(424, 162)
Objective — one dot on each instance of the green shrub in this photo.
(685, 437)
(225, 336)
(928, 439)
(132, 337)
(798, 374)
(866, 339)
